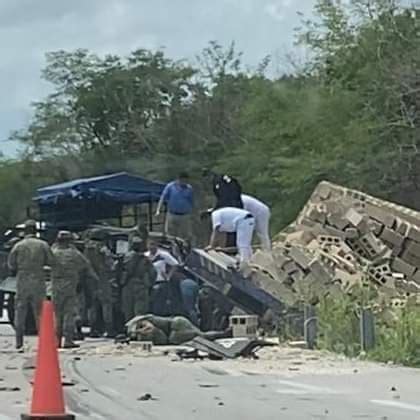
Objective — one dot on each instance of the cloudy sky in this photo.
(30, 28)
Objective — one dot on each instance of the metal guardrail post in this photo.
(367, 330)
(310, 326)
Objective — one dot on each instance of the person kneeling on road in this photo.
(239, 221)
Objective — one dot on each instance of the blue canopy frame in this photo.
(87, 200)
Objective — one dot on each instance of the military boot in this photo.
(79, 333)
(69, 344)
(19, 342)
(59, 340)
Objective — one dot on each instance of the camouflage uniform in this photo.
(69, 264)
(139, 231)
(102, 261)
(27, 259)
(138, 280)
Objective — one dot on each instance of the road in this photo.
(109, 383)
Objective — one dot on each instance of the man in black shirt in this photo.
(227, 191)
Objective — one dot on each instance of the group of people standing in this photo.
(235, 215)
(89, 284)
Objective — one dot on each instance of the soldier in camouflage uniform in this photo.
(27, 260)
(101, 258)
(138, 280)
(69, 263)
(139, 231)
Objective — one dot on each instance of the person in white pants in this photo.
(262, 214)
(240, 221)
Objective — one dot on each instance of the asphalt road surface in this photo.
(111, 384)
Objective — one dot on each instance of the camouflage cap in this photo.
(30, 223)
(64, 235)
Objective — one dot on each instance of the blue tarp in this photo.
(121, 187)
(86, 200)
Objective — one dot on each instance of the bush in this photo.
(338, 326)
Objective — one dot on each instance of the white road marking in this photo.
(2, 417)
(397, 404)
(308, 388)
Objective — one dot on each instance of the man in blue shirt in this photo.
(179, 198)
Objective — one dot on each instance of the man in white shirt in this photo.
(261, 213)
(163, 262)
(230, 220)
(165, 265)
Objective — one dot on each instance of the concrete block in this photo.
(372, 245)
(324, 191)
(329, 230)
(414, 233)
(302, 258)
(347, 280)
(400, 266)
(392, 238)
(411, 259)
(244, 326)
(412, 247)
(357, 248)
(337, 221)
(383, 268)
(302, 237)
(380, 215)
(290, 267)
(403, 228)
(308, 223)
(380, 278)
(316, 215)
(351, 233)
(297, 275)
(354, 217)
(396, 252)
(375, 227)
(329, 240)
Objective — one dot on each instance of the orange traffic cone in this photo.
(47, 396)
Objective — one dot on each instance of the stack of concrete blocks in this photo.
(293, 272)
(384, 237)
(344, 237)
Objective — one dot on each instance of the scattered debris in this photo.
(147, 397)
(217, 351)
(9, 389)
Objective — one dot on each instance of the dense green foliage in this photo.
(350, 115)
